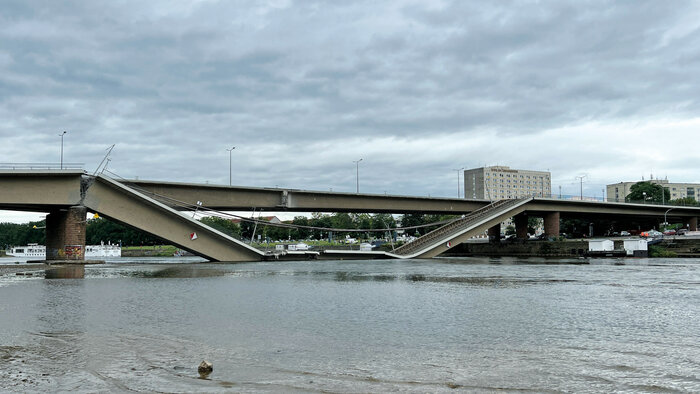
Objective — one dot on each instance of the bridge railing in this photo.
(577, 197)
(41, 166)
(454, 226)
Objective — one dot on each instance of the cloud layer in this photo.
(302, 89)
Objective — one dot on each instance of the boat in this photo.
(91, 251)
(31, 250)
(102, 250)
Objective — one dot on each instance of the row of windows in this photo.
(515, 176)
(508, 181)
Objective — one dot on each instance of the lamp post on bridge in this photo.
(229, 164)
(458, 170)
(357, 174)
(61, 135)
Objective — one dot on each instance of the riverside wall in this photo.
(677, 246)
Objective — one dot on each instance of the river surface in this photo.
(440, 325)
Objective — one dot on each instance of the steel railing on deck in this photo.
(41, 166)
(454, 227)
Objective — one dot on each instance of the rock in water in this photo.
(205, 367)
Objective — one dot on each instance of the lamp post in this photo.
(61, 135)
(458, 170)
(580, 177)
(229, 164)
(644, 197)
(665, 223)
(357, 173)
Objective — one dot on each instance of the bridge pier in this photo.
(495, 233)
(692, 223)
(551, 224)
(520, 222)
(65, 234)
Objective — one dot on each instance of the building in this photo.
(617, 192)
(501, 182)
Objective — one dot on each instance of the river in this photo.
(439, 325)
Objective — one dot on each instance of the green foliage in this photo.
(654, 193)
(510, 230)
(226, 226)
(103, 230)
(576, 227)
(533, 223)
(13, 234)
(685, 201)
(659, 251)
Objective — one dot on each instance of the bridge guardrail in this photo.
(41, 166)
(454, 226)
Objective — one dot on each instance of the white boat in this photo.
(31, 250)
(102, 250)
(35, 250)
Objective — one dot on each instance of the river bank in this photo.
(149, 251)
(669, 247)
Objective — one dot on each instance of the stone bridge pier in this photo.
(65, 234)
(551, 224)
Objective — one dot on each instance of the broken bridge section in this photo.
(458, 231)
(120, 203)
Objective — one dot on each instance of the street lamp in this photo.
(357, 173)
(644, 196)
(61, 135)
(458, 170)
(665, 223)
(229, 164)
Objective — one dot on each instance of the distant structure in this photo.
(502, 182)
(617, 192)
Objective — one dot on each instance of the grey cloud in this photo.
(174, 84)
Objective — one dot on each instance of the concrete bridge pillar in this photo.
(495, 233)
(551, 224)
(65, 234)
(520, 222)
(692, 223)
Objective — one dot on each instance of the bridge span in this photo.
(154, 207)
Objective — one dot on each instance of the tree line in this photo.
(103, 230)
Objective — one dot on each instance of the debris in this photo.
(205, 367)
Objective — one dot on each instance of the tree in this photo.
(226, 226)
(301, 233)
(648, 192)
(103, 230)
(685, 201)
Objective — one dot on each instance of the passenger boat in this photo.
(31, 250)
(91, 251)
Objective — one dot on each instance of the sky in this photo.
(416, 89)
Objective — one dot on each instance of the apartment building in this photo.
(502, 182)
(617, 192)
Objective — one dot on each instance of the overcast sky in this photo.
(301, 89)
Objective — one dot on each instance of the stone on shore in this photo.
(205, 367)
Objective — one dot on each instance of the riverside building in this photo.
(502, 182)
(617, 192)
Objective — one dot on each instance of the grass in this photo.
(659, 251)
(155, 250)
